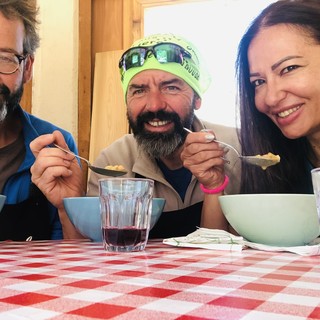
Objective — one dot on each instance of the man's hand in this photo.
(56, 173)
(204, 158)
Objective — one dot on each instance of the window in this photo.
(215, 27)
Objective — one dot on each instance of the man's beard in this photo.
(156, 144)
(9, 101)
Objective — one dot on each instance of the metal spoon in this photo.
(103, 171)
(261, 161)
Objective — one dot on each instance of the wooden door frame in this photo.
(84, 79)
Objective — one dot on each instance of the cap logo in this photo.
(191, 70)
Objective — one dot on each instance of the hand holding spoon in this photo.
(263, 161)
(103, 171)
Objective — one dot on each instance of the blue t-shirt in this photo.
(179, 178)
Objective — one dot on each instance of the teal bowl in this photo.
(284, 220)
(84, 213)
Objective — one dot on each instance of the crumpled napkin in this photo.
(216, 239)
(208, 239)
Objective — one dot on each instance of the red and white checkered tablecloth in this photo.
(79, 280)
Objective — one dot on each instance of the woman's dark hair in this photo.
(258, 134)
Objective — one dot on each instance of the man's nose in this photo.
(155, 101)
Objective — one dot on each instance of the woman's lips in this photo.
(286, 113)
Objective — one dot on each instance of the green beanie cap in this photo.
(192, 70)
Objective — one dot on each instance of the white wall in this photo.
(55, 79)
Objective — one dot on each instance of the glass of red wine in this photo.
(125, 205)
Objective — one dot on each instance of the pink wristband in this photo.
(218, 189)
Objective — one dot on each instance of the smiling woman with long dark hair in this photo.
(278, 71)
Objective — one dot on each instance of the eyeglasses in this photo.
(10, 62)
(163, 52)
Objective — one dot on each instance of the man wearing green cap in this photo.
(163, 82)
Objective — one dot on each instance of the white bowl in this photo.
(273, 219)
(84, 213)
(2, 201)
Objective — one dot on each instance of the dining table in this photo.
(78, 279)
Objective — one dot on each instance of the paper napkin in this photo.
(208, 239)
(216, 239)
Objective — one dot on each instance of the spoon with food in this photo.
(264, 161)
(112, 171)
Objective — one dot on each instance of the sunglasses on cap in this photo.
(163, 52)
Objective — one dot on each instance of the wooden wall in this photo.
(114, 26)
(26, 101)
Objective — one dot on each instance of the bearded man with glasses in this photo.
(27, 213)
(163, 80)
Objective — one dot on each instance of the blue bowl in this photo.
(2, 201)
(84, 213)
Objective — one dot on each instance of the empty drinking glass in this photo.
(315, 175)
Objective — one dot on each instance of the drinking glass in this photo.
(125, 206)
(315, 175)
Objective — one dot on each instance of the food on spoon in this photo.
(269, 156)
(117, 167)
